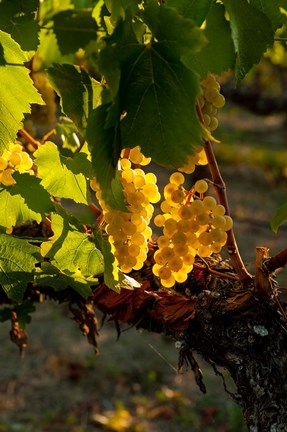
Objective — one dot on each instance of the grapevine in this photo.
(193, 223)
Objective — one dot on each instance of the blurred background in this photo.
(132, 385)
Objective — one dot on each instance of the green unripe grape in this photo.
(180, 276)
(159, 220)
(159, 259)
(203, 219)
(170, 225)
(186, 212)
(219, 222)
(168, 283)
(169, 188)
(165, 273)
(179, 238)
(177, 196)
(125, 163)
(219, 210)
(206, 119)
(201, 186)
(219, 102)
(3, 163)
(15, 159)
(177, 178)
(228, 223)
(163, 241)
(213, 123)
(6, 177)
(175, 264)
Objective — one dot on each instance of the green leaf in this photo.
(48, 51)
(71, 250)
(218, 55)
(68, 133)
(196, 10)
(86, 92)
(74, 29)
(175, 34)
(18, 203)
(271, 10)
(17, 264)
(16, 90)
(63, 177)
(159, 93)
(279, 218)
(59, 280)
(252, 34)
(18, 19)
(102, 146)
(113, 277)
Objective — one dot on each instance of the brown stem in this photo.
(28, 138)
(220, 189)
(276, 262)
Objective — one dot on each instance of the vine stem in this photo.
(220, 189)
(276, 262)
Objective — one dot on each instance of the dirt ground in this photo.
(132, 385)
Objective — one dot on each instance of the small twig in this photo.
(276, 262)
(220, 189)
(280, 39)
(28, 138)
(47, 135)
(95, 209)
(215, 272)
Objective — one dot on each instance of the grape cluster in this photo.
(210, 101)
(14, 159)
(193, 224)
(129, 232)
(199, 158)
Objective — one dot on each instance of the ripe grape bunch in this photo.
(192, 224)
(14, 159)
(129, 232)
(210, 101)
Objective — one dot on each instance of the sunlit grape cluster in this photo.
(129, 232)
(192, 224)
(14, 159)
(199, 158)
(210, 101)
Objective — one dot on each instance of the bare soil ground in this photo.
(132, 386)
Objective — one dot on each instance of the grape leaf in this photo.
(158, 94)
(218, 55)
(18, 19)
(59, 280)
(17, 264)
(101, 140)
(63, 177)
(16, 90)
(68, 133)
(252, 33)
(71, 250)
(74, 29)
(86, 92)
(18, 203)
(48, 51)
(279, 218)
(196, 10)
(271, 10)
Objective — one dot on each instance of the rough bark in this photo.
(229, 326)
